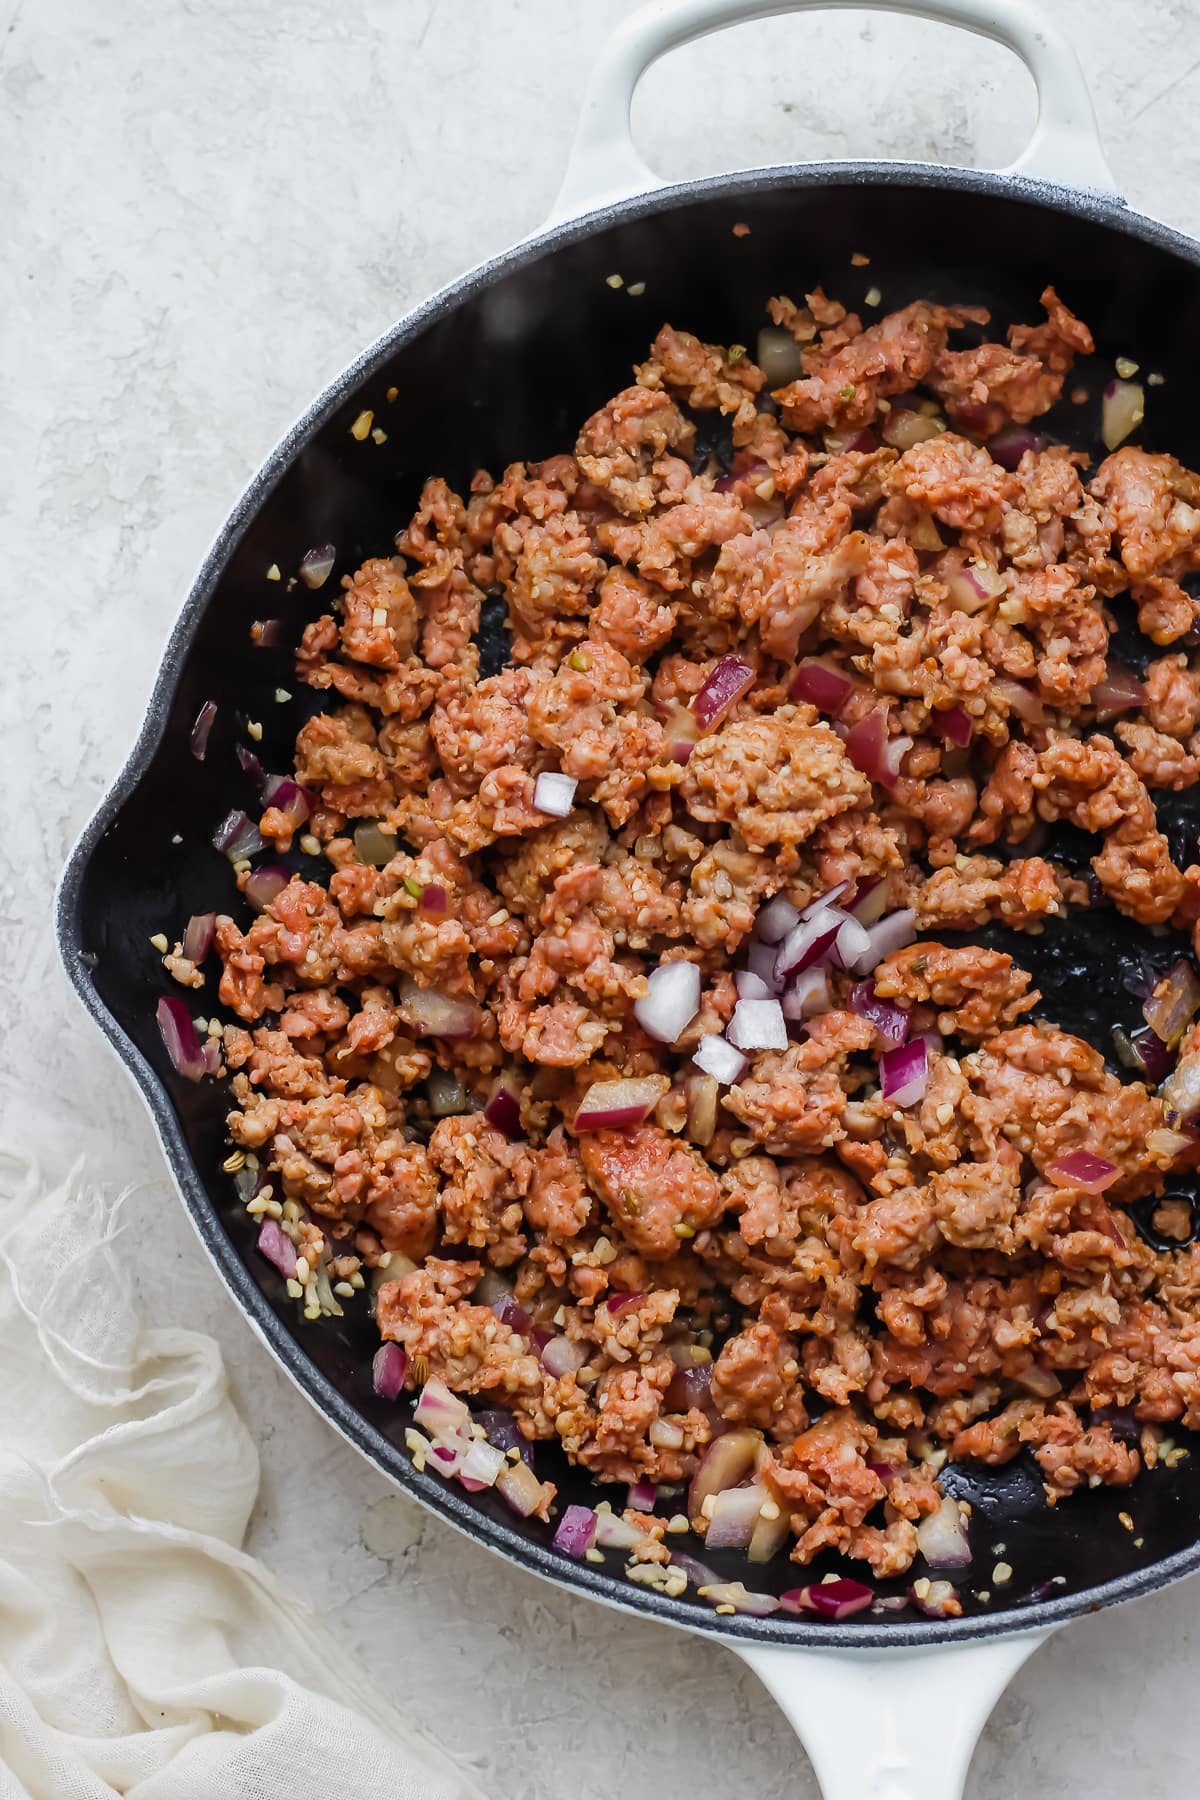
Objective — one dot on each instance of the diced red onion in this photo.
(179, 1035)
(264, 883)
(1181, 1092)
(733, 1517)
(520, 1488)
(822, 683)
(510, 1312)
(742, 1600)
(387, 1367)
(201, 729)
(903, 429)
(439, 1411)
(1010, 445)
(904, 1072)
(838, 442)
(893, 932)
(870, 901)
(808, 942)
(1122, 411)
(562, 1356)
(758, 1025)
(1019, 699)
(617, 1105)
(316, 565)
(872, 752)
(238, 836)
(807, 994)
(615, 1533)
(673, 1001)
(434, 898)
(698, 1573)
(576, 1531)
(503, 1431)
(1120, 691)
(431, 1014)
(374, 845)
(1080, 1169)
(278, 1248)
(250, 764)
(554, 794)
(727, 1460)
(503, 1111)
(1153, 1057)
(832, 1600)
(703, 1093)
(1038, 1381)
(954, 725)
(617, 1303)
(642, 1496)
(750, 986)
(776, 919)
(851, 944)
(198, 937)
(689, 1388)
(779, 356)
(722, 690)
(718, 1057)
(936, 1599)
(769, 1535)
(287, 796)
(481, 1465)
(942, 1537)
(210, 1056)
(1172, 1004)
(267, 634)
(889, 1020)
(822, 902)
(760, 960)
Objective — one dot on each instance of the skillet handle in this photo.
(604, 165)
(891, 1724)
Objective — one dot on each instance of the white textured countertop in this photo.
(208, 207)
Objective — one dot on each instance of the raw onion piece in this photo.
(776, 919)
(238, 836)
(1172, 1003)
(554, 793)
(200, 730)
(1120, 691)
(1019, 699)
(889, 1020)
(316, 565)
(954, 725)
(733, 1517)
(727, 1460)
(520, 1487)
(872, 752)
(974, 585)
(820, 682)
(434, 899)
(510, 1312)
(431, 1014)
(576, 1531)
(503, 1111)
(760, 960)
(615, 1533)
(562, 1356)
(1080, 1169)
(1151, 1054)
(904, 1072)
(642, 1496)
(287, 796)
(387, 1367)
(851, 944)
(750, 986)
(1122, 411)
(481, 1465)
(807, 995)
(722, 690)
(438, 1411)
(278, 1248)
(942, 1537)
(758, 1025)
(870, 900)
(936, 1599)
(769, 1534)
(179, 1035)
(808, 942)
(267, 634)
(619, 1105)
(503, 1431)
(690, 1387)
(617, 1303)
(264, 883)
(832, 1600)
(1010, 445)
(672, 1003)
(779, 356)
(742, 1600)
(895, 931)
(374, 845)
(718, 1057)
(198, 937)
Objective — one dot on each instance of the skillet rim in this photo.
(1109, 211)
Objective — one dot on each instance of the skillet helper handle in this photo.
(604, 165)
(896, 1724)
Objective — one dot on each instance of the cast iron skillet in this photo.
(505, 364)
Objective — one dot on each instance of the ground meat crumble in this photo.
(872, 1288)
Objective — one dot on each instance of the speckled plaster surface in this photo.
(208, 206)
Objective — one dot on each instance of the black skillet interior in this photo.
(506, 366)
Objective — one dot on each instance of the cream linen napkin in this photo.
(142, 1651)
